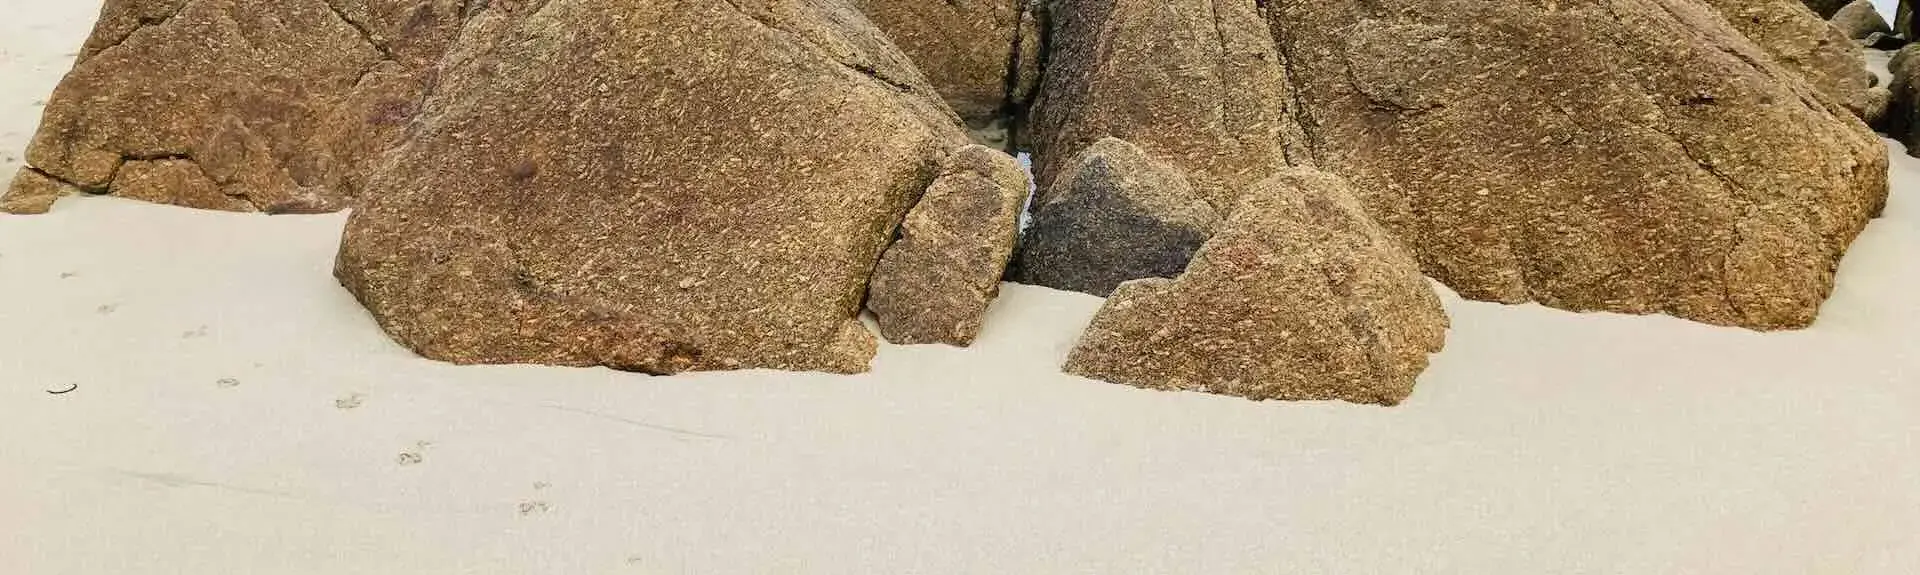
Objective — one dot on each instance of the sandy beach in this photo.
(234, 410)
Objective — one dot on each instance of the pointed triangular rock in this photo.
(1298, 296)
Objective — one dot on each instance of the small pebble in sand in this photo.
(350, 402)
(227, 383)
(410, 458)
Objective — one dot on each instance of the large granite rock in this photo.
(1860, 20)
(240, 104)
(1300, 295)
(1118, 215)
(1198, 83)
(1635, 156)
(1802, 42)
(982, 55)
(649, 185)
(934, 284)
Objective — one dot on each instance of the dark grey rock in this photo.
(1116, 215)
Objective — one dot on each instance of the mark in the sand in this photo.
(532, 507)
(227, 383)
(69, 389)
(107, 308)
(541, 485)
(350, 402)
(69, 275)
(195, 332)
(416, 455)
(635, 423)
(181, 481)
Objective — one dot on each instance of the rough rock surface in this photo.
(934, 283)
(1198, 83)
(273, 103)
(1634, 156)
(1860, 20)
(981, 55)
(1803, 43)
(1299, 296)
(1118, 215)
(642, 184)
(33, 193)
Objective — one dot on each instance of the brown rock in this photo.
(32, 192)
(981, 55)
(934, 283)
(1197, 83)
(647, 185)
(1118, 216)
(275, 102)
(1635, 156)
(1859, 20)
(1803, 43)
(1299, 296)
(173, 181)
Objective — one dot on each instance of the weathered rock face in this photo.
(1197, 83)
(240, 104)
(32, 192)
(934, 283)
(647, 185)
(1860, 20)
(1298, 296)
(1634, 156)
(982, 55)
(1118, 215)
(1803, 43)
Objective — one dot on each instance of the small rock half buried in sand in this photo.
(1299, 296)
(33, 193)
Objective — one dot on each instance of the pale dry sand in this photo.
(238, 413)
